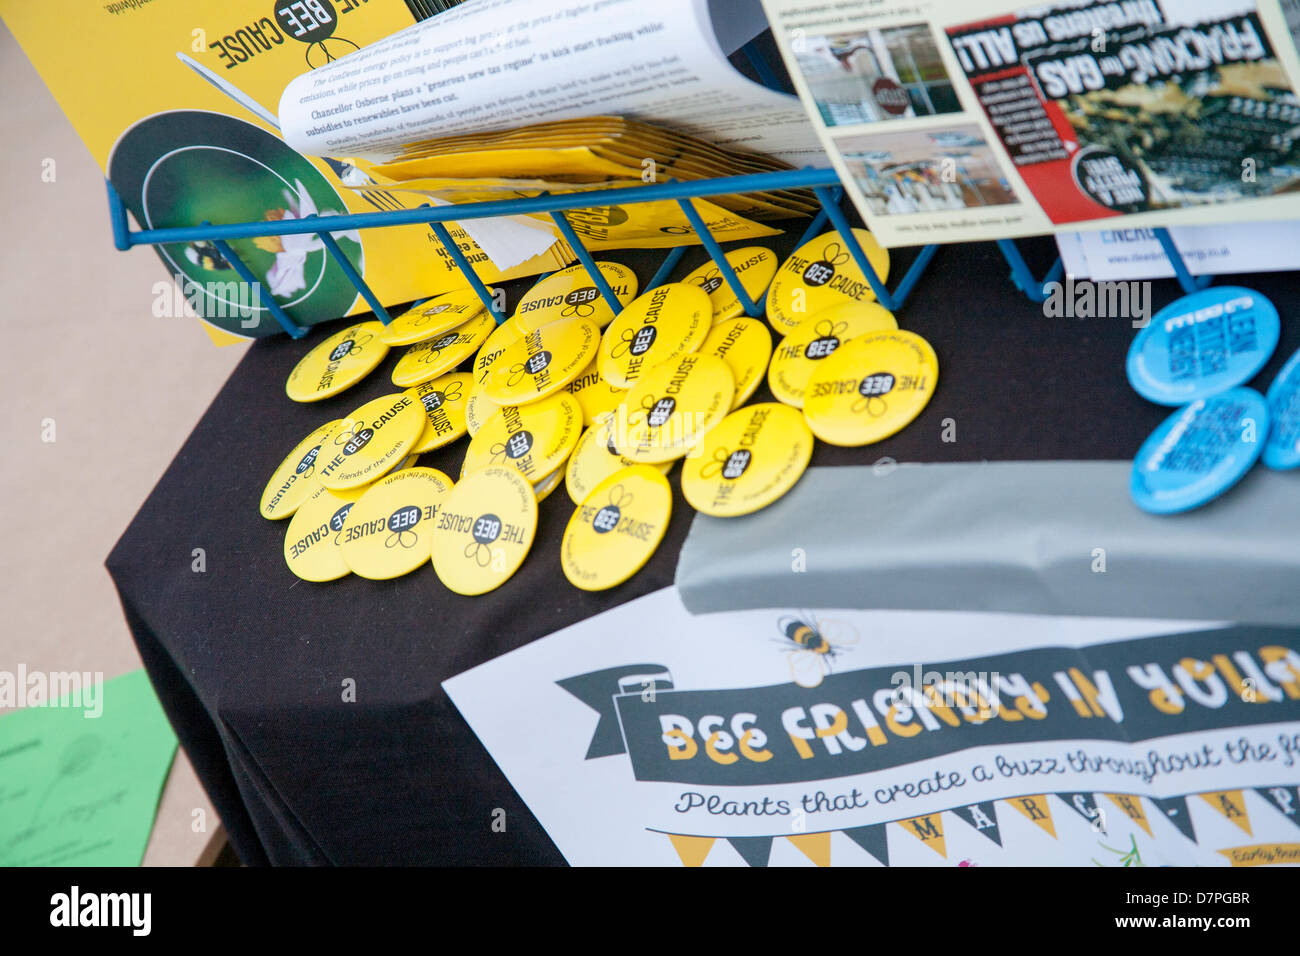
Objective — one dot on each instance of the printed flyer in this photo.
(899, 738)
(175, 100)
(977, 120)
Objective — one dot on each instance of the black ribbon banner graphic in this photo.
(867, 720)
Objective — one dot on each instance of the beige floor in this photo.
(81, 346)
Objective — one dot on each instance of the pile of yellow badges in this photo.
(339, 362)
(550, 399)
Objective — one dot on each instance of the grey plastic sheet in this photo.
(1027, 537)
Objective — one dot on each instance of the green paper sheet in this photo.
(80, 790)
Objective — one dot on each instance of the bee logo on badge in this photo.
(608, 516)
(729, 465)
(823, 270)
(658, 411)
(578, 303)
(338, 519)
(486, 529)
(811, 645)
(434, 352)
(516, 446)
(711, 281)
(358, 441)
(871, 389)
(307, 467)
(435, 399)
(636, 342)
(827, 341)
(400, 524)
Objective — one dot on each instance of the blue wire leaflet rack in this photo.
(824, 183)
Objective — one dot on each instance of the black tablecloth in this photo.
(249, 662)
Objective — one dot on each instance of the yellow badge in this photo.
(798, 355)
(294, 479)
(479, 410)
(596, 396)
(339, 362)
(429, 318)
(749, 461)
(570, 293)
(444, 352)
(822, 273)
(444, 400)
(311, 542)
(483, 530)
(389, 531)
(675, 404)
(754, 266)
(533, 439)
(668, 321)
(745, 345)
(372, 441)
(616, 529)
(541, 363)
(595, 459)
(872, 387)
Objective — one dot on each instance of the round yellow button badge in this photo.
(295, 477)
(389, 531)
(676, 403)
(668, 321)
(483, 530)
(595, 459)
(754, 266)
(570, 293)
(444, 400)
(428, 319)
(822, 273)
(533, 439)
(745, 345)
(754, 457)
(444, 352)
(339, 362)
(872, 387)
(311, 542)
(541, 363)
(815, 339)
(616, 529)
(372, 441)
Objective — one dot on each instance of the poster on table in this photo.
(987, 119)
(650, 736)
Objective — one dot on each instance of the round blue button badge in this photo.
(1200, 451)
(1282, 450)
(1203, 343)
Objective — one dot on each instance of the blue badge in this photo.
(1282, 450)
(1200, 451)
(1203, 343)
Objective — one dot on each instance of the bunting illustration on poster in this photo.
(1061, 741)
